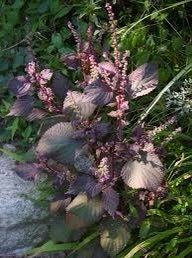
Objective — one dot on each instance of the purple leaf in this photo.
(36, 114)
(146, 173)
(85, 184)
(76, 105)
(19, 86)
(93, 187)
(98, 93)
(71, 61)
(101, 129)
(59, 204)
(143, 80)
(60, 85)
(107, 67)
(110, 199)
(28, 171)
(22, 106)
(58, 143)
(78, 185)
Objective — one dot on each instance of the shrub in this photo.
(82, 143)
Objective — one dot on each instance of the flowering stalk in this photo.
(40, 79)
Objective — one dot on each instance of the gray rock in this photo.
(23, 224)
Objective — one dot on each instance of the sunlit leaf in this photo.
(19, 86)
(143, 80)
(98, 93)
(146, 172)
(107, 67)
(89, 210)
(36, 114)
(76, 105)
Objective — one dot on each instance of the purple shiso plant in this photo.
(82, 144)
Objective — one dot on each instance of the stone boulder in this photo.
(23, 223)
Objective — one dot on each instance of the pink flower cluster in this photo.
(41, 79)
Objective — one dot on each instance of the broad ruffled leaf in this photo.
(88, 210)
(58, 143)
(60, 85)
(22, 106)
(145, 173)
(28, 171)
(19, 86)
(71, 61)
(76, 105)
(110, 199)
(36, 114)
(143, 80)
(114, 236)
(48, 122)
(98, 93)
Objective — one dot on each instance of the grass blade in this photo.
(152, 240)
(185, 252)
(50, 246)
(86, 241)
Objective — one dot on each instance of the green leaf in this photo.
(58, 143)
(185, 252)
(43, 7)
(14, 127)
(57, 40)
(13, 155)
(87, 210)
(84, 244)
(152, 240)
(18, 60)
(27, 132)
(63, 12)
(114, 236)
(50, 246)
(144, 228)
